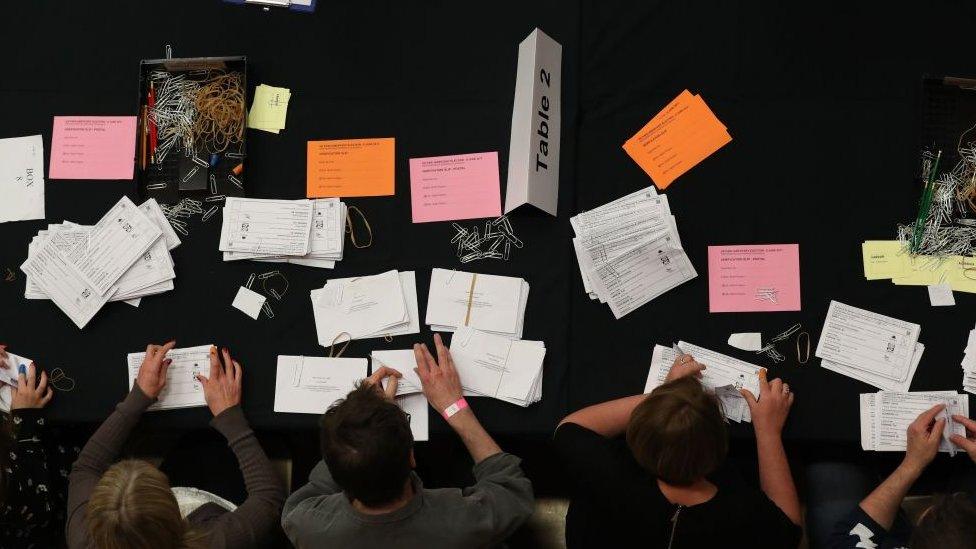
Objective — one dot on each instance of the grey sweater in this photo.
(250, 525)
(320, 515)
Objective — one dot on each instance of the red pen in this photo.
(152, 121)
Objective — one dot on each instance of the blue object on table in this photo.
(294, 7)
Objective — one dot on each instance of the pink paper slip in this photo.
(93, 147)
(757, 278)
(464, 186)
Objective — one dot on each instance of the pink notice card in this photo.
(93, 147)
(758, 278)
(464, 186)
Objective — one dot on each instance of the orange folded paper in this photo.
(683, 134)
(351, 167)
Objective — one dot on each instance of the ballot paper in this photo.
(886, 415)
(21, 178)
(52, 274)
(182, 389)
(151, 273)
(403, 361)
(969, 364)
(266, 227)
(873, 348)
(326, 239)
(496, 366)
(418, 414)
(112, 245)
(310, 384)
(366, 307)
(490, 303)
(724, 375)
(629, 251)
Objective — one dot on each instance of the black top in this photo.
(615, 501)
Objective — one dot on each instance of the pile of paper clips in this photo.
(494, 243)
(273, 284)
(771, 352)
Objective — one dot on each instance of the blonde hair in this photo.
(133, 507)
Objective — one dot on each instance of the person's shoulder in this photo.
(317, 506)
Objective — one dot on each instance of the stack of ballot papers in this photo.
(303, 232)
(723, 375)
(969, 364)
(629, 251)
(876, 349)
(886, 415)
(495, 366)
(889, 260)
(123, 257)
(182, 389)
(269, 109)
(365, 307)
(490, 303)
(310, 384)
(409, 393)
(677, 139)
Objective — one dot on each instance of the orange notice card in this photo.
(676, 139)
(351, 167)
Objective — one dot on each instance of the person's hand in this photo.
(770, 411)
(440, 380)
(376, 380)
(152, 372)
(29, 394)
(968, 442)
(223, 389)
(924, 436)
(684, 366)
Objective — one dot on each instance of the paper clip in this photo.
(213, 183)
(215, 198)
(209, 213)
(156, 186)
(234, 155)
(235, 181)
(250, 281)
(277, 294)
(267, 310)
(200, 162)
(191, 173)
(180, 229)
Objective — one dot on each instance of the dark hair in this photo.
(366, 442)
(949, 522)
(678, 432)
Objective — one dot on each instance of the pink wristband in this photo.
(454, 408)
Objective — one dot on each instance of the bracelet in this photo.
(454, 408)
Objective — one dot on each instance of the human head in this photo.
(949, 522)
(678, 432)
(368, 446)
(133, 507)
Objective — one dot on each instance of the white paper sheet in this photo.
(404, 362)
(21, 178)
(267, 227)
(363, 307)
(49, 271)
(499, 367)
(417, 410)
(497, 302)
(885, 417)
(249, 302)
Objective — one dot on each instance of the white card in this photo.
(748, 341)
(21, 178)
(940, 295)
(249, 302)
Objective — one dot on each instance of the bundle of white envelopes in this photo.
(125, 256)
(629, 251)
(495, 366)
(365, 307)
(490, 303)
(303, 232)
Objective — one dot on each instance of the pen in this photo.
(142, 138)
(152, 124)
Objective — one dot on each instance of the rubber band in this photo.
(332, 353)
(351, 231)
(60, 381)
(798, 355)
(467, 314)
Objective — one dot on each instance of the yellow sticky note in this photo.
(961, 273)
(883, 259)
(269, 109)
(922, 270)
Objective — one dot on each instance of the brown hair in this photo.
(678, 432)
(949, 522)
(133, 507)
(366, 442)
